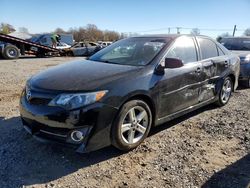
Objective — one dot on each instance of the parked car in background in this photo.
(119, 93)
(62, 45)
(83, 49)
(241, 47)
(106, 43)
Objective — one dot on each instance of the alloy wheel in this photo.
(134, 125)
(226, 91)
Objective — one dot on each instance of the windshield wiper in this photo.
(106, 61)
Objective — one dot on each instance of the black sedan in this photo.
(118, 94)
(241, 47)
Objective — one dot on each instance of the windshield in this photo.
(132, 51)
(236, 43)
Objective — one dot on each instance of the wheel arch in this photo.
(232, 77)
(145, 98)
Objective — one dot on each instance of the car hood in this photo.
(241, 53)
(81, 76)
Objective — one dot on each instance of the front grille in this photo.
(36, 99)
(42, 130)
(39, 101)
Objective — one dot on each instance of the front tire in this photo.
(225, 92)
(132, 125)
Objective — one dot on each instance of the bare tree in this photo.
(59, 31)
(110, 35)
(223, 35)
(195, 31)
(91, 33)
(247, 32)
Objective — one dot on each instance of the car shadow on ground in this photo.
(235, 175)
(242, 86)
(180, 119)
(25, 161)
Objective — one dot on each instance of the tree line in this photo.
(88, 33)
(91, 32)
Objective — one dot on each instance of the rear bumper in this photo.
(56, 124)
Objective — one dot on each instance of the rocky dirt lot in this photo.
(207, 148)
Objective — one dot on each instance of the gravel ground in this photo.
(206, 148)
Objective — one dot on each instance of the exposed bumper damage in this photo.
(85, 129)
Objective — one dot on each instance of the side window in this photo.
(184, 49)
(208, 48)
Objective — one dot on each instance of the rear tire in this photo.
(11, 52)
(131, 126)
(225, 92)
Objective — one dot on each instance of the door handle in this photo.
(198, 70)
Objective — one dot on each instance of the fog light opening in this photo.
(77, 136)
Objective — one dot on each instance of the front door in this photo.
(179, 88)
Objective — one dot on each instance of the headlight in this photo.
(73, 101)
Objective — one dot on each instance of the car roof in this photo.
(173, 36)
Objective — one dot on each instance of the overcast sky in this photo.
(213, 17)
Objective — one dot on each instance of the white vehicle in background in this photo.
(62, 45)
(106, 43)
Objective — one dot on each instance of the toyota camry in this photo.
(117, 95)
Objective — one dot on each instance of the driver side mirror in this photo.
(170, 63)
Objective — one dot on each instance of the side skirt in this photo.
(183, 112)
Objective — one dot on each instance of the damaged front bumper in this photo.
(86, 129)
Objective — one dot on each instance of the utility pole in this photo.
(235, 28)
(169, 30)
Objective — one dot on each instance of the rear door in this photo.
(214, 63)
(179, 87)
